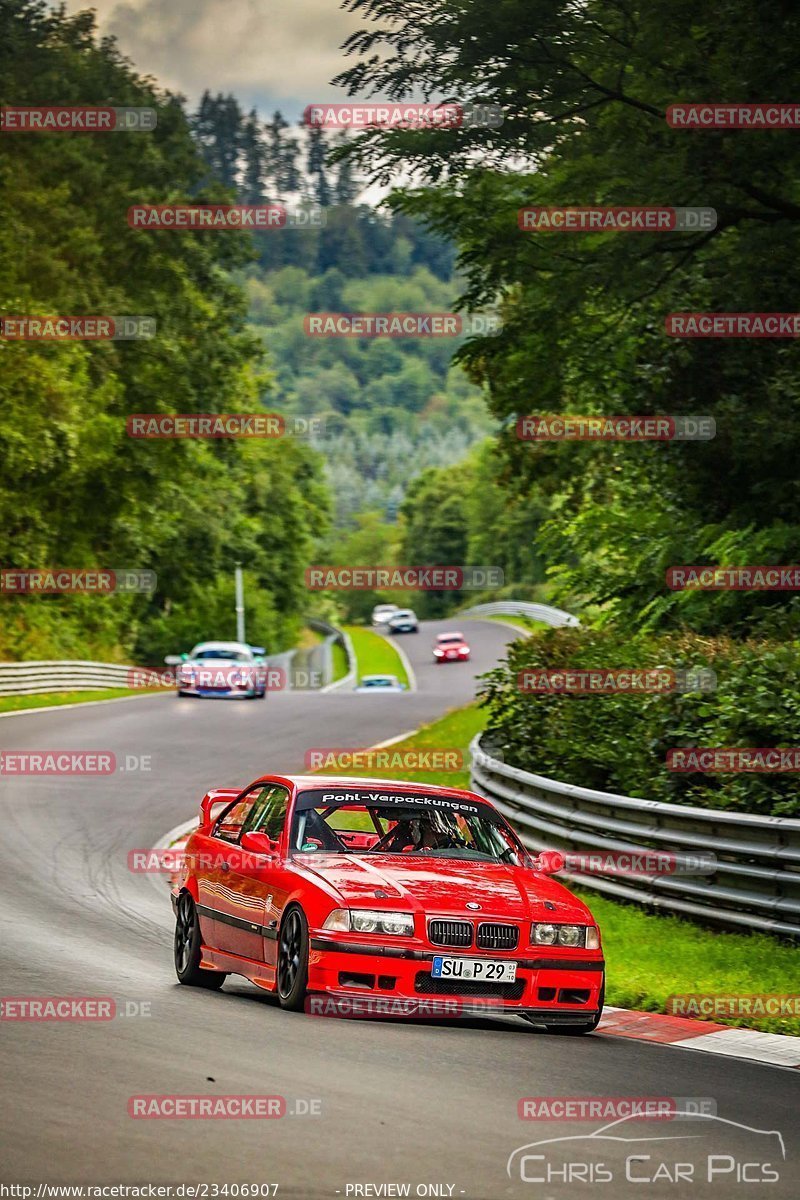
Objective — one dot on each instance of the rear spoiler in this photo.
(216, 797)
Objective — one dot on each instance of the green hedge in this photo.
(619, 742)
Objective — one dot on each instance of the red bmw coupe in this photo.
(312, 886)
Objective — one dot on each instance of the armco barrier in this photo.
(335, 635)
(33, 678)
(522, 608)
(29, 678)
(756, 881)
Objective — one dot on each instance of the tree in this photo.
(584, 91)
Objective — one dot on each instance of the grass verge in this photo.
(46, 699)
(339, 661)
(375, 654)
(650, 956)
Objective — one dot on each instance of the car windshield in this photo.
(347, 821)
(379, 683)
(227, 655)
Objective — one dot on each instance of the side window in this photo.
(269, 814)
(231, 822)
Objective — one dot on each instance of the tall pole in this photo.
(239, 605)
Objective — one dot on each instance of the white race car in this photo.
(223, 670)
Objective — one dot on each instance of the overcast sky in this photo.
(269, 53)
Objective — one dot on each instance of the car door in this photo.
(237, 915)
(270, 879)
(249, 890)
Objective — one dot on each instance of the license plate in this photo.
(484, 969)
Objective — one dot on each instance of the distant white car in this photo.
(403, 621)
(382, 612)
(223, 670)
(380, 683)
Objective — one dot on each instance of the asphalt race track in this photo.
(413, 1102)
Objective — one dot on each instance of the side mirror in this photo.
(549, 862)
(259, 843)
(173, 660)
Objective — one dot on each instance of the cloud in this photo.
(269, 53)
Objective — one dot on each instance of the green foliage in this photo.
(75, 490)
(584, 90)
(372, 543)
(391, 408)
(618, 742)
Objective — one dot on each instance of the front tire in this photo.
(187, 948)
(292, 974)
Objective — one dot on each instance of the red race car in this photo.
(451, 647)
(312, 886)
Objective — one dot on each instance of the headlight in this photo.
(366, 921)
(565, 935)
(339, 920)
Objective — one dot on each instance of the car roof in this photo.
(404, 612)
(304, 782)
(453, 633)
(380, 676)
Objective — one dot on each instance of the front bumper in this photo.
(554, 988)
(217, 693)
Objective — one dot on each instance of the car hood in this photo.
(445, 887)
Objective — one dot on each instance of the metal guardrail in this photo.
(755, 881)
(80, 675)
(556, 617)
(335, 635)
(30, 678)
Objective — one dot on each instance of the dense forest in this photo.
(584, 90)
(391, 408)
(75, 490)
